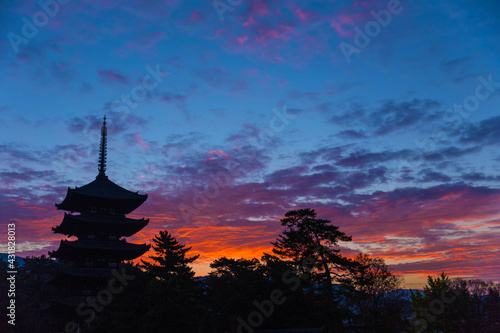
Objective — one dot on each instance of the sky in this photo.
(383, 116)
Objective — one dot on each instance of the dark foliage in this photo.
(304, 283)
(456, 305)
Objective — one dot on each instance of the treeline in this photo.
(304, 282)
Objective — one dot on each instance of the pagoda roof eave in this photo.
(101, 193)
(110, 224)
(105, 188)
(78, 202)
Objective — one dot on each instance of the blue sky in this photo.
(397, 143)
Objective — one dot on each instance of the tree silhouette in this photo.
(173, 296)
(233, 285)
(372, 276)
(170, 260)
(373, 295)
(457, 305)
(311, 245)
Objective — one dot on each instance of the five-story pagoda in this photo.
(100, 228)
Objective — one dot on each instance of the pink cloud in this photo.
(356, 14)
(197, 16)
(113, 75)
(259, 8)
(281, 32)
(359, 3)
(139, 141)
(219, 153)
(242, 39)
(303, 16)
(274, 34)
(345, 22)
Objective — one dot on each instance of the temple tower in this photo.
(96, 216)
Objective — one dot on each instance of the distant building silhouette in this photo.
(99, 227)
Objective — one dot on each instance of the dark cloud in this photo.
(364, 158)
(351, 134)
(219, 78)
(485, 132)
(431, 176)
(306, 95)
(117, 122)
(321, 155)
(390, 117)
(394, 116)
(176, 143)
(458, 69)
(25, 175)
(179, 98)
(353, 117)
(450, 153)
(478, 176)
(18, 153)
(214, 77)
(169, 97)
(62, 72)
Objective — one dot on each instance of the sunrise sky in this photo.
(382, 116)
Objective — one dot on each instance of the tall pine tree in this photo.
(170, 260)
(174, 303)
(311, 245)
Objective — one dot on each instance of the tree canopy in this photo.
(305, 282)
(170, 258)
(311, 244)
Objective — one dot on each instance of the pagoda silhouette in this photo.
(100, 227)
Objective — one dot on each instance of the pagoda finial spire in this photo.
(103, 149)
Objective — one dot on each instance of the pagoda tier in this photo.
(87, 224)
(82, 278)
(112, 250)
(101, 196)
(86, 273)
